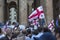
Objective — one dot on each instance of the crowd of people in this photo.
(9, 32)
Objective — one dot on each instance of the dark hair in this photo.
(14, 23)
(39, 29)
(35, 32)
(9, 22)
(0, 30)
(29, 31)
(46, 29)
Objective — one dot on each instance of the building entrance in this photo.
(11, 11)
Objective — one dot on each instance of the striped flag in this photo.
(51, 25)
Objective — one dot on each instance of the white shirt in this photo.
(2, 35)
(35, 27)
(27, 38)
(22, 27)
(11, 26)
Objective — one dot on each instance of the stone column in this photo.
(23, 12)
(49, 10)
(1, 10)
(30, 6)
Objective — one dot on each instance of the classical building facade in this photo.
(18, 10)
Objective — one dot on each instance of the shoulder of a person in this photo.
(2, 35)
(40, 34)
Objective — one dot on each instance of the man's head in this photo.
(29, 31)
(40, 29)
(35, 32)
(24, 31)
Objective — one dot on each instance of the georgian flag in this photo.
(38, 13)
(33, 15)
(51, 25)
(35, 22)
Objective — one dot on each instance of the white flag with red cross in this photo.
(51, 25)
(38, 13)
(35, 22)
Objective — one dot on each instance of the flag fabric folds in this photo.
(38, 13)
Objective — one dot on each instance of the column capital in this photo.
(30, 2)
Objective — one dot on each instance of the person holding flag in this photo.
(37, 14)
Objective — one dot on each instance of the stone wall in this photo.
(49, 11)
(1, 10)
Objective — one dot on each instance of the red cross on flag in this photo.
(38, 13)
(35, 22)
(51, 25)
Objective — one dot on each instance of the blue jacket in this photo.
(57, 24)
(47, 36)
